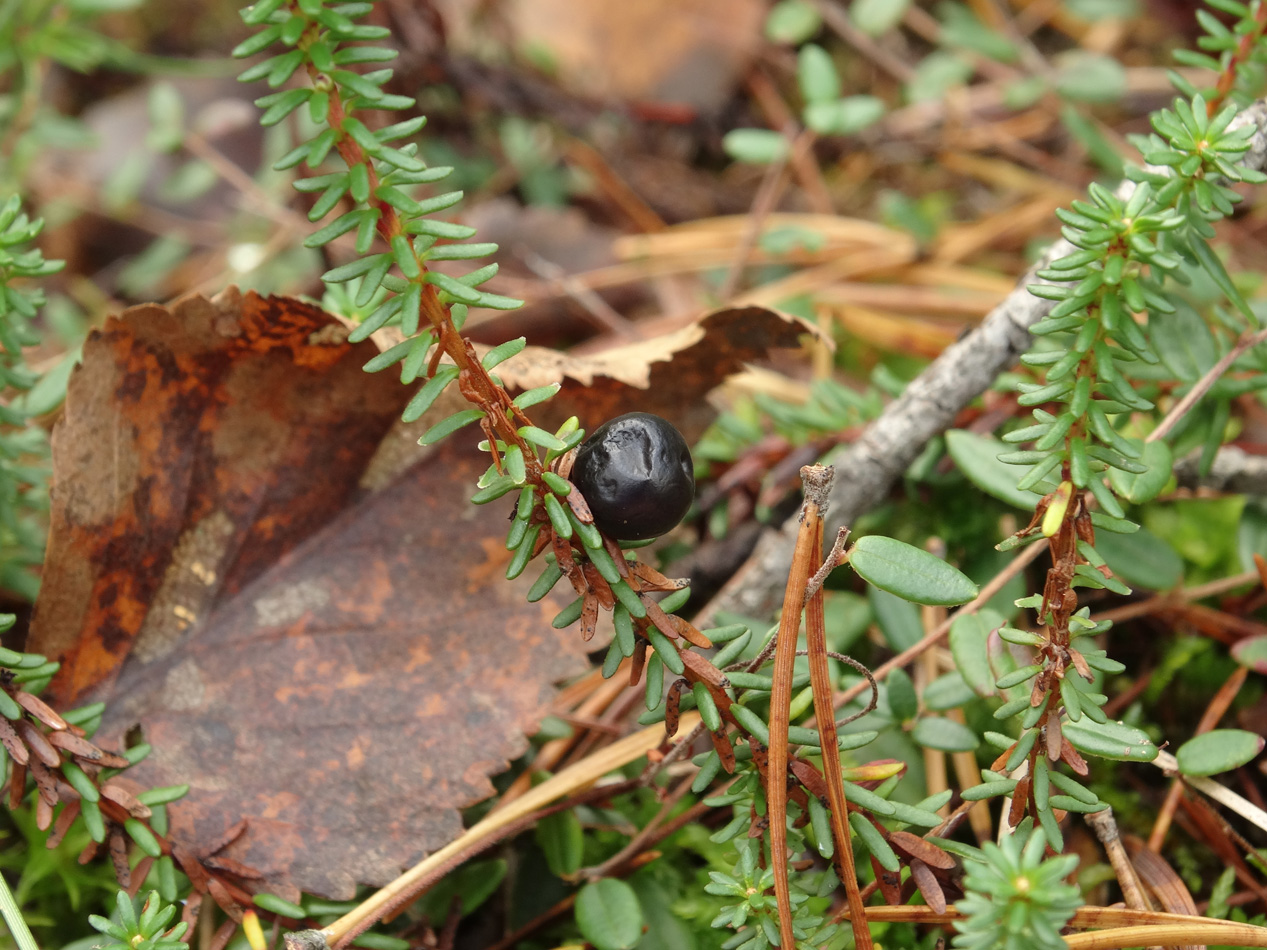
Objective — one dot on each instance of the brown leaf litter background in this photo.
(344, 670)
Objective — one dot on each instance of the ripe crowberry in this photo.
(635, 472)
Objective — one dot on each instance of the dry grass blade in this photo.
(571, 779)
(1213, 713)
(1198, 930)
(1220, 793)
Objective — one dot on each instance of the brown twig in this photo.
(1218, 705)
(1105, 828)
(1196, 931)
(1202, 385)
(772, 184)
(817, 481)
(1161, 602)
(824, 712)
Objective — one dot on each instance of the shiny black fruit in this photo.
(636, 473)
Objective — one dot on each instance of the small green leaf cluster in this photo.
(23, 447)
(36, 38)
(1094, 331)
(29, 671)
(378, 177)
(33, 35)
(1229, 50)
(831, 408)
(1127, 249)
(24, 675)
(963, 40)
(1015, 898)
(1026, 766)
(1192, 162)
(628, 607)
(754, 915)
(826, 112)
(147, 931)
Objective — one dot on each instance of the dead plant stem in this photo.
(817, 481)
(1219, 704)
(767, 197)
(824, 712)
(1202, 385)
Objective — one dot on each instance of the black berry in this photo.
(635, 472)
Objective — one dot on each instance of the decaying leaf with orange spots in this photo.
(341, 668)
(343, 672)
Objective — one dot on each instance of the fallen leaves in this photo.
(668, 375)
(688, 51)
(358, 694)
(339, 684)
(185, 466)
(341, 672)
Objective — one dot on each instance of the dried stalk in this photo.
(817, 480)
(825, 713)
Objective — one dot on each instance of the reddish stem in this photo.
(1244, 49)
(488, 395)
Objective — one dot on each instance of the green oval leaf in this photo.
(909, 572)
(1252, 652)
(1184, 342)
(978, 458)
(473, 884)
(876, 17)
(903, 702)
(875, 842)
(817, 74)
(844, 116)
(1141, 559)
(1218, 750)
(1146, 486)
(969, 639)
(897, 619)
(758, 146)
(792, 21)
(1110, 740)
(277, 905)
(948, 691)
(1090, 77)
(609, 915)
(562, 840)
(946, 735)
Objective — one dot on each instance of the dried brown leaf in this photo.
(343, 676)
